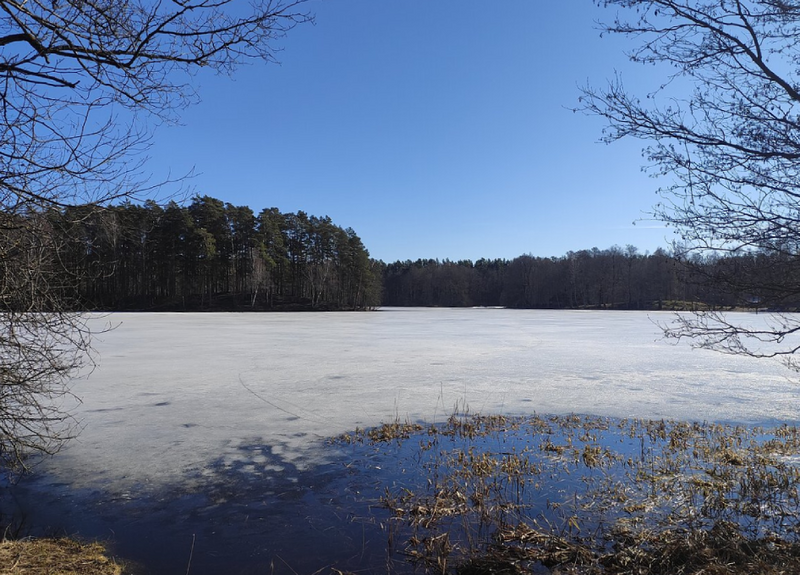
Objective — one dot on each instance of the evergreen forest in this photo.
(212, 255)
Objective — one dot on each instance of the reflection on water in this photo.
(256, 514)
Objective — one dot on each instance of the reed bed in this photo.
(589, 495)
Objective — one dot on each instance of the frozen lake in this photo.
(174, 390)
(177, 397)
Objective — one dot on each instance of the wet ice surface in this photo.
(197, 421)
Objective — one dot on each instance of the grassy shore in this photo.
(55, 557)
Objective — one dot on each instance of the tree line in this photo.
(614, 278)
(210, 255)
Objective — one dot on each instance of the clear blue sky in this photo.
(434, 129)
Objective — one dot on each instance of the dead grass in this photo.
(596, 496)
(55, 557)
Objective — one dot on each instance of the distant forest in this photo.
(611, 278)
(614, 278)
(211, 255)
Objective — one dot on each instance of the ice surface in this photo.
(173, 392)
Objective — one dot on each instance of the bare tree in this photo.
(82, 82)
(724, 131)
(42, 343)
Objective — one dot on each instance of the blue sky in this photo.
(434, 129)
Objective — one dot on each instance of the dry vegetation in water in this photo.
(592, 496)
(55, 556)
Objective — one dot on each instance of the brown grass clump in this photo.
(393, 431)
(388, 432)
(55, 557)
(721, 550)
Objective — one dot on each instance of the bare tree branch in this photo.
(727, 137)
